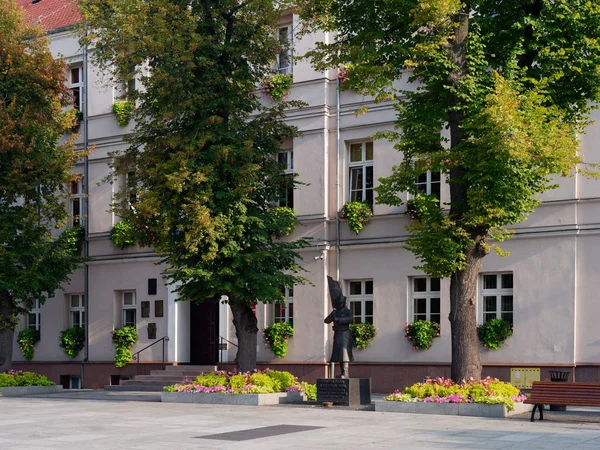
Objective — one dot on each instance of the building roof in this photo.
(50, 14)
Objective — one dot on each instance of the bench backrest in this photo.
(559, 393)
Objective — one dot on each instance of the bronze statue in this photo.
(341, 317)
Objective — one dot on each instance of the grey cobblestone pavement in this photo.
(64, 423)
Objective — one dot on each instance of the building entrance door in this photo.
(204, 332)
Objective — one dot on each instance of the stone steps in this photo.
(160, 378)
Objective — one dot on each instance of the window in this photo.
(129, 185)
(34, 317)
(75, 83)
(152, 286)
(285, 63)
(286, 196)
(285, 312)
(76, 310)
(361, 300)
(129, 309)
(497, 296)
(74, 383)
(76, 201)
(429, 183)
(361, 172)
(426, 299)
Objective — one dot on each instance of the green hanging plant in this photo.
(123, 110)
(71, 341)
(421, 333)
(124, 338)
(277, 86)
(357, 214)
(26, 340)
(276, 337)
(492, 334)
(362, 334)
(122, 235)
(72, 239)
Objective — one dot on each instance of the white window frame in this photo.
(288, 172)
(127, 308)
(74, 382)
(497, 292)
(285, 312)
(76, 198)
(428, 295)
(364, 164)
(73, 86)
(35, 313)
(428, 184)
(288, 52)
(78, 310)
(130, 196)
(363, 299)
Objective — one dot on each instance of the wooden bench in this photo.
(567, 394)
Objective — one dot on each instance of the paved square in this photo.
(63, 423)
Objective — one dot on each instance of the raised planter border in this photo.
(227, 399)
(453, 409)
(21, 391)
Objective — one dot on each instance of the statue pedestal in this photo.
(344, 392)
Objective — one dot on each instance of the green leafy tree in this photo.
(207, 179)
(33, 170)
(512, 83)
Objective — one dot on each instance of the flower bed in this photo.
(266, 387)
(16, 383)
(489, 397)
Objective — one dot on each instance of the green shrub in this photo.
(492, 334)
(277, 86)
(26, 340)
(362, 334)
(238, 381)
(281, 380)
(276, 337)
(310, 390)
(19, 378)
(262, 380)
(72, 340)
(211, 379)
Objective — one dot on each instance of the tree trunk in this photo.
(463, 284)
(7, 332)
(463, 318)
(245, 330)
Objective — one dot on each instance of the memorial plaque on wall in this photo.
(348, 392)
(158, 308)
(145, 309)
(151, 331)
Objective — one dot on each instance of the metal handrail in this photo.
(136, 355)
(221, 347)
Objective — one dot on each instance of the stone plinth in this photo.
(225, 399)
(20, 391)
(346, 392)
(454, 409)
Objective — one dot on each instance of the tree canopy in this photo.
(512, 82)
(203, 157)
(34, 168)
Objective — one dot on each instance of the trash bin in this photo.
(559, 376)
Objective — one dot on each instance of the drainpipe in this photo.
(86, 250)
(337, 181)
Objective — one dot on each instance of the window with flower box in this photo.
(497, 296)
(76, 311)
(285, 312)
(34, 318)
(129, 308)
(286, 196)
(361, 300)
(425, 298)
(360, 176)
(285, 58)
